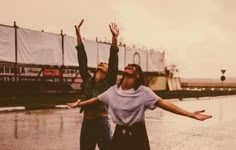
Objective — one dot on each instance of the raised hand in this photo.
(114, 29)
(199, 116)
(77, 28)
(74, 104)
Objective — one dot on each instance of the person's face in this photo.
(130, 71)
(103, 67)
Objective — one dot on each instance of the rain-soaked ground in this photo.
(59, 129)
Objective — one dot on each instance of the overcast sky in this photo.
(199, 36)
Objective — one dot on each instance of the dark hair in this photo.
(138, 81)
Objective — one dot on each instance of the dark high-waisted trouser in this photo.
(130, 138)
(95, 131)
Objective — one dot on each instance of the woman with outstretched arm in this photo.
(127, 102)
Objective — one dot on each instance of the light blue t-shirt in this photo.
(127, 106)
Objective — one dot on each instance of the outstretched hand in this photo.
(74, 104)
(199, 116)
(77, 28)
(114, 29)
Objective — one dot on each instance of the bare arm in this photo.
(78, 103)
(90, 101)
(177, 110)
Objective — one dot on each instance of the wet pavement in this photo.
(59, 129)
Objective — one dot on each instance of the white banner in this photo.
(136, 56)
(7, 44)
(70, 52)
(121, 57)
(36, 47)
(103, 52)
(156, 61)
(91, 48)
(42, 48)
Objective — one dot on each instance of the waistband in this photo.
(129, 130)
(90, 115)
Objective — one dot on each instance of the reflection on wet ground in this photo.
(60, 129)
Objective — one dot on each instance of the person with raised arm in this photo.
(95, 126)
(127, 102)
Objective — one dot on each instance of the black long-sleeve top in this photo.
(89, 87)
